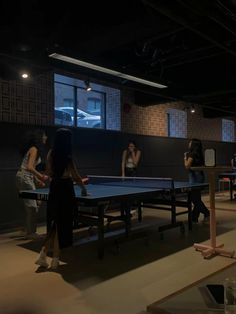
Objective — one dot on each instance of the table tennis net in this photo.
(142, 182)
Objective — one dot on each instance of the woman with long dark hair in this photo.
(61, 202)
(195, 158)
(130, 160)
(31, 152)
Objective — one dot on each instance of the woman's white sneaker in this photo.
(55, 263)
(42, 260)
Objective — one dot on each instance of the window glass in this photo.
(87, 117)
(228, 130)
(75, 106)
(63, 96)
(177, 123)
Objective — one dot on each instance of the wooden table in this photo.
(213, 248)
(194, 299)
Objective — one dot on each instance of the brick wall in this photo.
(152, 120)
(205, 129)
(27, 102)
(113, 110)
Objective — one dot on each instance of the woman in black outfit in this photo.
(61, 202)
(195, 158)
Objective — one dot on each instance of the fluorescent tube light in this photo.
(105, 70)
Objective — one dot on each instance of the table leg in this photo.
(212, 249)
(231, 189)
(101, 210)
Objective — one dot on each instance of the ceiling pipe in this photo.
(216, 108)
(217, 17)
(161, 7)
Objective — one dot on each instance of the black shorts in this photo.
(130, 172)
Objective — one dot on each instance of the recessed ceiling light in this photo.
(25, 75)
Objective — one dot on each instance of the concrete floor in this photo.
(145, 269)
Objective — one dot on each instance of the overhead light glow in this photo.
(87, 86)
(192, 110)
(105, 70)
(24, 75)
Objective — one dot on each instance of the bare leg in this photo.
(55, 251)
(42, 259)
(51, 240)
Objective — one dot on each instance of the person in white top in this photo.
(27, 175)
(130, 160)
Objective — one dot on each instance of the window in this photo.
(228, 130)
(94, 105)
(75, 106)
(177, 123)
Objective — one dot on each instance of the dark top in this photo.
(196, 176)
(198, 160)
(234, 160)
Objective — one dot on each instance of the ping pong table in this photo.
(231, 176)
(103, 190)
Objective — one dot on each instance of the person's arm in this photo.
(48, 169)
(136, 157)
(32, 157)
(123, 163)
(77, 178)
(188, 161)
(232, 163)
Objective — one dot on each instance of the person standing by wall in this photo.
(26, 176)
(233, 161)
(130, 160)
(195, 158)
(61, 202)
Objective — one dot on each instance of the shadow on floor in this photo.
(83, 269)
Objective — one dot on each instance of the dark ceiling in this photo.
(188, 45)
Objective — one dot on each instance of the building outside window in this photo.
(228, 130)
(177, 123)
(94, 105)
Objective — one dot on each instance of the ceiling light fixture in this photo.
(87, 86)
(105, 70)
(25, 75)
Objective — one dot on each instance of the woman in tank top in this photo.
(27, 175)
(130, 160)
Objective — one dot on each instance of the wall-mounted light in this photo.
(192, 109)
(87, 86)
